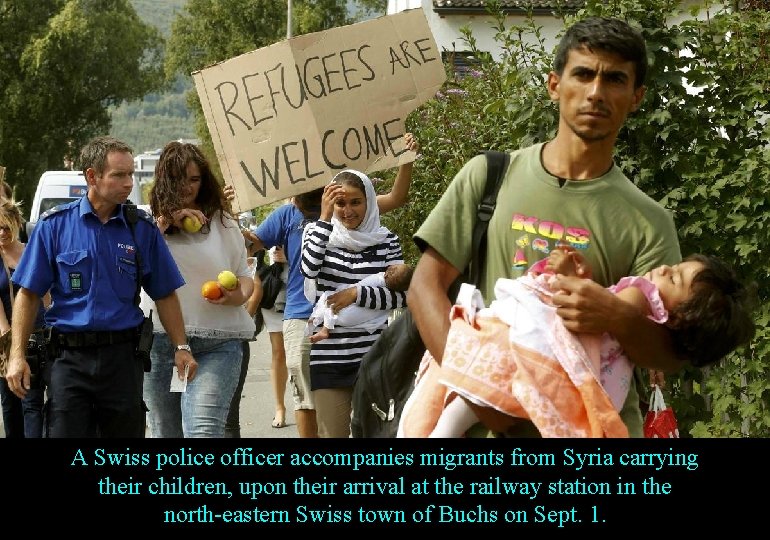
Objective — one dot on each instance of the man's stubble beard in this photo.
(586, 135)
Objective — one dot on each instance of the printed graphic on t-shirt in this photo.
(541, 236)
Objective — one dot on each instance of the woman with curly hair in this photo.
(204, 237)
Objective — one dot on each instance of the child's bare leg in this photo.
(493, 419)
(323, 333)
(456, 418)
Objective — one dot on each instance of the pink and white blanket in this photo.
(518, 358)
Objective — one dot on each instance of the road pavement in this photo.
(257, 396)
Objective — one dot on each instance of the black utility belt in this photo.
(74, 340)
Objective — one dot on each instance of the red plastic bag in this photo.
(660, 422)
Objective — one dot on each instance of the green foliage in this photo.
(151, 131)
(318, 15)
(157, 118)
(704, 154)
(497, 105)
(368, 8)
(56, 90)
(158, 14)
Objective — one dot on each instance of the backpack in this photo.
(270, 275)
(387, 372)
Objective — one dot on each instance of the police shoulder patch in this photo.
(52, 211)
(143, 214)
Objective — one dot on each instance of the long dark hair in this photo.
(171, 171)
(717, 318)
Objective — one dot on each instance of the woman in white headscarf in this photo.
(345, 245)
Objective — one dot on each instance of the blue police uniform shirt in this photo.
(283, 227)
(90, 267)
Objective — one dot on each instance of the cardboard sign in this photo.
(286, 118)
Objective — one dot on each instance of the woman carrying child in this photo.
(396, 277)
(345, 245)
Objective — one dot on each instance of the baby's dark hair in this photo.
(398, 277)
(717, 318)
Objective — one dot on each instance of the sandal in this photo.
(278, 423)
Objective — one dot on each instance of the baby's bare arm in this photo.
(559, 262)
(568, 262)
(635, 297)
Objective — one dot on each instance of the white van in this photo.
(60, 187)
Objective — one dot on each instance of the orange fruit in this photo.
(211, 290)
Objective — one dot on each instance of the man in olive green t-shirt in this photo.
(565, 191)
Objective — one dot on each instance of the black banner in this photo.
(474, 484)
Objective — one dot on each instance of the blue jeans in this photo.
(202, 410)
(22, 418)
(233, 424)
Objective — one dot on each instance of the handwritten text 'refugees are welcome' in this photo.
(316, 78)
(253, 103)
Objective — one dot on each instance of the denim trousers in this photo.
(233, 423)
(22, 418)
(200, 411)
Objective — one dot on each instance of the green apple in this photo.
(227, 279)
(191, 224)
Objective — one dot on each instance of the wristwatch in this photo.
(184, 347)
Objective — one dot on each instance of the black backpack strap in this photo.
(131, 213)
(497, 164)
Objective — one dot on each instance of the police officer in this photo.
(85, 252)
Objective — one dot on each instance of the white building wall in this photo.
(446, 29)
(397, 6)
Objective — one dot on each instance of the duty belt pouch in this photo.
(144, 344)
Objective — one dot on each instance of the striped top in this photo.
(334, 361)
